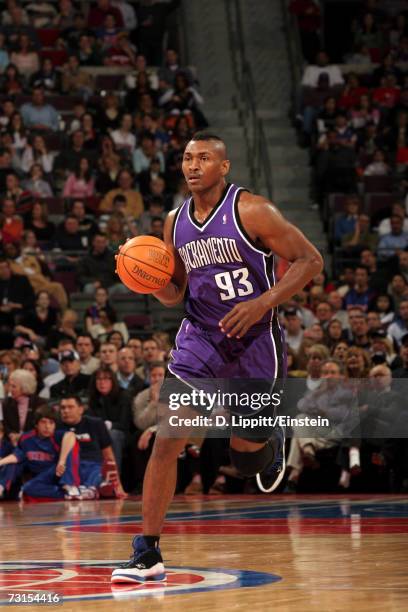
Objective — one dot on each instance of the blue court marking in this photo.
(330, 510)
(245, 579)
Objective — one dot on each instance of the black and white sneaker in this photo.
(270, 478)
(145, 565)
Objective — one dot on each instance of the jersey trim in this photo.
(176, 217)
(240, 228)
(201, 226)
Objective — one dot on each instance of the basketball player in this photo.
(223, 239)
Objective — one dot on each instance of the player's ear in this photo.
(225, 167)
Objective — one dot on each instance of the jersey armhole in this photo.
(173, 229)
(241, 228)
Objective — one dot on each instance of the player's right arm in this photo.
(174, 292)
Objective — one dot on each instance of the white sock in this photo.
(354, 457)
(344, 479)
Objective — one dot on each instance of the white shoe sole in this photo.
(279, 478)
(153, 574)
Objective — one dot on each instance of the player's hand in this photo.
(60, 469)
(241, 318)
(144, 440)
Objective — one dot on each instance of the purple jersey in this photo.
(224, 267)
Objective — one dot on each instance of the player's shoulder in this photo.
(252, 204)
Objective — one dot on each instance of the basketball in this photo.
(144, 264)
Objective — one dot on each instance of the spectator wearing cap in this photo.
(19, 407)
(361, 294)
(85, 347)
(399, 327)
(382, 350)
(126, 372)
(395, 241)
(37, 115)
(50, 457)
(293, 328)
(73, 383)
(402, 372)
(94, 443)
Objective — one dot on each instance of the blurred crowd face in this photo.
(335, 300)
(355, 361)
(323, 312)
(373, 321)
(361, 278)
(293, 324)
(331, 373)
(70, 367)
(380, 377)
(104, 383)
(403, 310)
(136, 345)
(108, 354)
(45, 428)
(5, 271)
(71, 412)
(340, 351)
(126, 361)
(84, 347)
(150, 351)
(157, 375)
(314, 364)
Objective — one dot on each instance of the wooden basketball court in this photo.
(232, 553)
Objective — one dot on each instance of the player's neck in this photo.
(204, 201)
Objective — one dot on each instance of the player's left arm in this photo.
(266, 226)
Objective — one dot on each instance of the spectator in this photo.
(108, 324)
(396, 209)
(80, 183)
(398, 289)
(108, 34)
(19, 408)
(25, 59)
(37, 323)
(399, 327)
(73, 382)
(12, 226)
(126, 373)
(68, 236)
(110, 113)
(134, 202)
(338, 313)
(146, 153)
(46, 454)
(402, 372)
(11, 83)
(97, 14)
(37, 115)
(101, 302)
(87, 225)
(123, 138)
(121, 53)
(76, 81)
(115, 232)
(396, 240)
(308, 17)
(36, 152)
(364, 113)
(97, 268)
(4, 55)
(378, 167)
(85, 347)
(110, 403)
(94, 442)
(361, 295)
(357, 362)
(36, 184)
(150, 353)
(108, 355)
(345, 224)
(33, 366)
(88, 51)
(16, 296)
(65, 330)
(65, 16)
(37, 221)
(322, 66)
(136, 345)
(128, 14)
(324, 314)
(47, 77)
(293, 329)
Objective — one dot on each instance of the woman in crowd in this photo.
(34, 367)
(92, 314)
(36, 184)
(26, 60)
(37, 221)
(107, 324)
(37, 323)
(80, 183)
(36, 152)
(19, 407)
(12, 82)
(110, 403)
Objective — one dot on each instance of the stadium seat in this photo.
(138, 321)
(376, 184)
(57, 56)
(48, 37)
(108, 82)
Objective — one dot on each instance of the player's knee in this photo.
(249, 464)
(167, 450)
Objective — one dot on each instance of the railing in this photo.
(292, 36)
(256, 143)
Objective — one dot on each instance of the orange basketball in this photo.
(145, 264)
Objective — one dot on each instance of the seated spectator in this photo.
(334, 333)
(336, 302)
(387, 95)
(126, 372)
(396, 209)
(91, 137)
(73, 383)
(12, 226)
(75, 81)
(8, 108)
(94, 443)
(369, 33)
(396, 240)
(87, 225)
(36, 184)
(4, 55)
(150, 353)
(399, 327)
(184, 99)
(345, 224)
(78, 112)
(134, 202)
(33, 366)
(378, 274)
(37, 323)
(16, 296)
(323, 313)
(155, 210)
(361, 238)
(38, 115)
(80, 183)
(68, 159)
(364, 113)
(110, 113)
(92, 313)
(121, 52)
(123, 137)
(47, 77)
(36, 152)
(11, 83)
(25, 58)
(357, 361)
(37, 221)
(107, 324)
(41, 14)
(107, 34)
(146, 177)
(108, 355)
(136, 345)
(97, 14)
(171, 67)
(146, 153)
(379, 166)
(352, 92)
(109, 402)
(398, 289)
(68, 236)
(115, 232)
(128, 14)
(85, 347)
(312, 72)
(402, 372)
(20, 406)
(97, 268)
(293, 329)
(157, 228)
(325, 119)
(106, 179)
(386, 69)
(64, 331)
(88, 51)
(65, 343)
(46, 455)
(385, 307)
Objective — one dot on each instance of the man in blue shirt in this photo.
(346, 223)
(37, 115)
(360, 294)
(396, 240)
